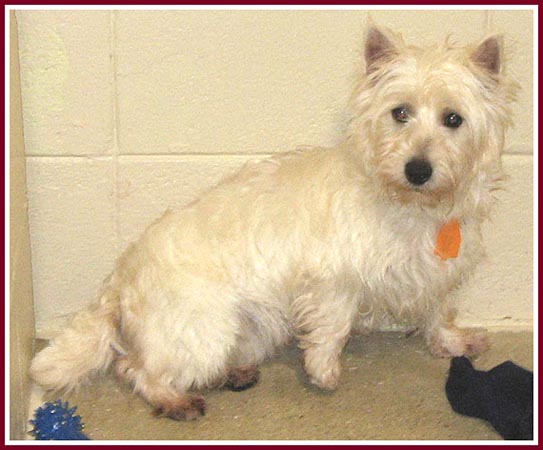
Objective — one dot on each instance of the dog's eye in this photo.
(400, 114)
(452, 120)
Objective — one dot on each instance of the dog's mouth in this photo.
(426, 194)
(417, 181)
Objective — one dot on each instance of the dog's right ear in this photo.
(488, 54)
(378, 49)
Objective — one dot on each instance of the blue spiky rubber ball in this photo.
(56, 421)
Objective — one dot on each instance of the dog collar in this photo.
(449, 239)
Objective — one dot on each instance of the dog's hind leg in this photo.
(186, 350)
(241, 378)
(159, 390)
(263, 327)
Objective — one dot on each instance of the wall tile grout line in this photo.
(489, 22)
(115, 125)
(119, 156)
(156, 155)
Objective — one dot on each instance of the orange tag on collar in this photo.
(449, 239)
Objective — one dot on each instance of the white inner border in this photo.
(9, 8)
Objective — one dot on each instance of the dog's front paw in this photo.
(327, 380)
(322, 372)
(453, 341)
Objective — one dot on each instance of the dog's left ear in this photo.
(488, 55)
(379, 48)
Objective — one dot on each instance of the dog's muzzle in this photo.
(418, 171)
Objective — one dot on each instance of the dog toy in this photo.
(56, 421)
(502, 396)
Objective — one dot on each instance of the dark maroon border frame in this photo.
(377, 3)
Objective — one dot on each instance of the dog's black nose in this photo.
(418, 171)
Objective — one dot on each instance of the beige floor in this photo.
(391, 389)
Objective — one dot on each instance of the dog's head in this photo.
(430, 122)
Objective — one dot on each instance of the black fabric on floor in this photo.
(503, 396)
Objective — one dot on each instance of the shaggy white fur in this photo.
(313, 244)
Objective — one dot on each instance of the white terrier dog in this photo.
(313, 244)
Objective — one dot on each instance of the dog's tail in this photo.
(85, 347)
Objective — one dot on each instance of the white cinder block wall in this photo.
(127, 113)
